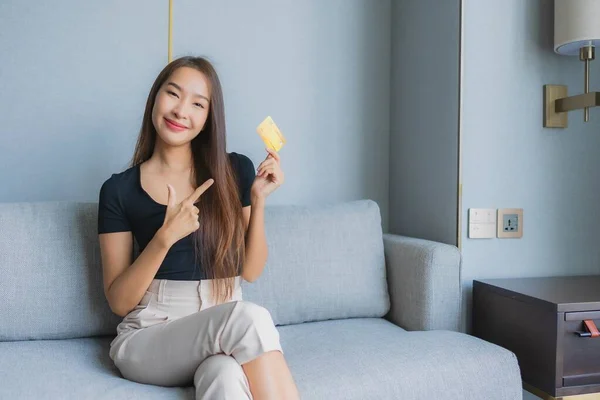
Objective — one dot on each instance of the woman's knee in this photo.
(220, 376)
(221, 368)
(254, 314)
(249, 333)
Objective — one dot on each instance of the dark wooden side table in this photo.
(543, 321)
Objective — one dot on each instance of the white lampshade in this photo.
(576, 25)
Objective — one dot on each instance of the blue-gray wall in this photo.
(424, 119)
(74, 79)
(510, 160)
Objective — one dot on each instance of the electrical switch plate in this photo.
(482, 223)
(510, 223)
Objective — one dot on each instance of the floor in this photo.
(529, 396)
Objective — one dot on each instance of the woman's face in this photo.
(181, 106)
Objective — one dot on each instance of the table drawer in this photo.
(581, 360)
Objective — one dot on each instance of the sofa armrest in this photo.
(424, 283)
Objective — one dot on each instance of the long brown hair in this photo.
(219, 242)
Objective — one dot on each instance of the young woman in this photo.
(197, 215)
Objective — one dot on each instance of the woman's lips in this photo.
(174, 126)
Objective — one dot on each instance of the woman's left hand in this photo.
(269, 176)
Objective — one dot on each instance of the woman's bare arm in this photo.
(256, 242)
(125, 283)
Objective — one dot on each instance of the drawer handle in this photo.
(592, 330)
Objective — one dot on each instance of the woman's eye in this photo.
(199, 105)
(172, 93)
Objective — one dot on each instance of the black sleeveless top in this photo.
(124, 206)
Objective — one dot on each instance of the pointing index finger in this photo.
(200, 190)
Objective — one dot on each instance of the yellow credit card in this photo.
(270, 134)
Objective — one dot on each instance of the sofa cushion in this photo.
(51, 286)
(325, 262)
(345, 359)
(71, 369)
(374, 359)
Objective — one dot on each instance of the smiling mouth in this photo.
(174, 125)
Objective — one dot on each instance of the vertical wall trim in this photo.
(170, 38)
(460, 125)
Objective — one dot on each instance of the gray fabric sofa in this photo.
(362, 314)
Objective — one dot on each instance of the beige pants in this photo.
(177, 336)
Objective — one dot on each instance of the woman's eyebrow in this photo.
(176, 86)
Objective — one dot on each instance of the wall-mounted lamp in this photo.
(576, 32)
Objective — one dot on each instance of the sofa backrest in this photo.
(324, 262)
(51, 279)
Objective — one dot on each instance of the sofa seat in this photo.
(362, 358)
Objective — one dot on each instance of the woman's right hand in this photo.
(182, 219)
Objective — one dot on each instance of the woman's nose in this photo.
(179, 110)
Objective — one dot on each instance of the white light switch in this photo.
(482, 223)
